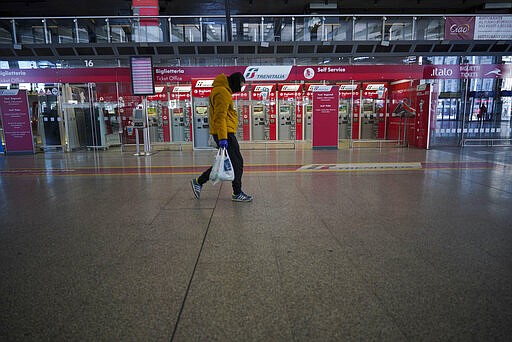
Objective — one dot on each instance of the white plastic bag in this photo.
(222, 169)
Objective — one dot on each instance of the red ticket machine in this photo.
(373, 111)
(349, 103)
(243, 107)
(422, 120)
(290, 111)
(263, 104)
(307, 105)
(157, 105)
(180, 112)
(201, 89)
(402, 97)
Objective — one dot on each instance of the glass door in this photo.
(50, 125)
(87, 125)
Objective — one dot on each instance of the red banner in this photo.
(318, 74)
(459, 28)
(325, 117)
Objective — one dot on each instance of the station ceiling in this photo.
(47, 8)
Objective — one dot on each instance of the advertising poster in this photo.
(16, 121)
(325, 117)
(493, 28)
(478, 28)
(459, 28)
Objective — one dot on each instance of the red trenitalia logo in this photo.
(251, 72)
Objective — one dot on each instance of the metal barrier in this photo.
(372, 143)
(488, 142)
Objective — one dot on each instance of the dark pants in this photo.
(236, 160)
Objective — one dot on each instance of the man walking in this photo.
(223, 125)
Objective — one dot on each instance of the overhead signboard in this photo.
(141, 69)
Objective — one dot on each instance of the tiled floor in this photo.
(366, 244)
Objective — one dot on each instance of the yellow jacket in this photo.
(223, 116)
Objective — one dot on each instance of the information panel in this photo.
(325, 117)
(141, 69)
(16, 121)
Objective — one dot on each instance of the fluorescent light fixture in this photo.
(497, 5)
(323, 5)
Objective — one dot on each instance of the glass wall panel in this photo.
(30, 31)
(429, 28)
(247, 29)
(186, 30)
(398, 28)
(214, 29)
(368, 29)
(338, 28)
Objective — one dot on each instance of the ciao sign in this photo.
(460, 28)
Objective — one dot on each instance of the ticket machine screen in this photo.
(201, 110)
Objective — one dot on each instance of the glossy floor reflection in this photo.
(368, 244)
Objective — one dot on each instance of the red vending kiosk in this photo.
(372, 123)
(263, 103)
(127, 105)
(243, 107)
(307, 104)
(400, 123)
(290, 111)
(157, 109)
(201, 89)
(348, 105)
(425, 120)
(181, 113)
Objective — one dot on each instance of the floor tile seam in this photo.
(287, 308)
(162, 207)
(189, 285)
(360, 273)
(101, 272)
(484, 185)
(280, 279)
(370, 289)
(451, 174)
(444, 276)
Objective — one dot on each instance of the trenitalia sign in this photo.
(164, 75)
(267, 73)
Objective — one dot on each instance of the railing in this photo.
(253, 28)
(487, 142)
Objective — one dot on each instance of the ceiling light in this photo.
(323, 5)
(497, 5)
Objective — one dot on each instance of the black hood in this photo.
(235, 81)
